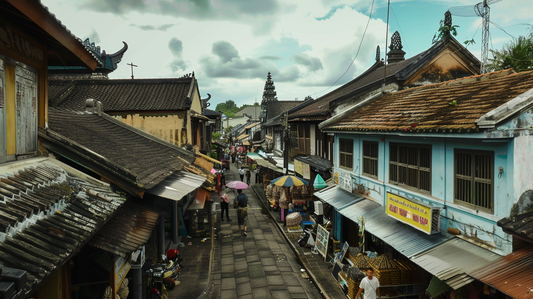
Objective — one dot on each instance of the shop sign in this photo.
(409, 212)
(13, 40)
(298, 167)
(344, 180)
(306, 172)
(122, 267)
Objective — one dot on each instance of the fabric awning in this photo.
(450, 261)
(436, 287)
(337, 197)
(510, 274)
(246, 142)
(242, 136)
(177, 185)
(128, 230)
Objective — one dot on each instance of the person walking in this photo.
(248, 176)
(370, 285)
(242, 211)
(224, 205)
(241, 174)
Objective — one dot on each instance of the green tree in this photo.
(517, 54)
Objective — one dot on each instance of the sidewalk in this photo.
(319, 270)
(261, 265)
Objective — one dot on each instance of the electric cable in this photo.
(404, 41)
(358, 49)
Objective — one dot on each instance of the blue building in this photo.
(462, 146)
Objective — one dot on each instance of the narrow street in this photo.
(260, 265)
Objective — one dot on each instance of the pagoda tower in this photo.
(269, 97)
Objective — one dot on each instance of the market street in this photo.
(261, 265)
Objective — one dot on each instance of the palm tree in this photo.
(517, 54)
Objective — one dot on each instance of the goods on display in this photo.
(361, 261)
(294, 219)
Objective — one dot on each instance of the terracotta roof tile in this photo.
(431, 107)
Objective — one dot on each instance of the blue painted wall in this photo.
(477, 226)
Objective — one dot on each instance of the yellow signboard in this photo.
(409, 212)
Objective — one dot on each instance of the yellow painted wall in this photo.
(168, 128)
(10, 107)
(196, 104)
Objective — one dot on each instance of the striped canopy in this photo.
(289, 181)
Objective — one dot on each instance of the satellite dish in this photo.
(482, 9)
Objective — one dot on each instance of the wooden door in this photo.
(26, 110)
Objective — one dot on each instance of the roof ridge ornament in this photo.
(448, 19)
(396, 42)
(378, 54)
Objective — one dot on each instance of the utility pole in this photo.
(287, 143)
(132, 65)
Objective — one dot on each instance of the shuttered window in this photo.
(410, 166)
(346, 153)
(370, 158)
(474, 179)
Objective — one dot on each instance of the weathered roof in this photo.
(520, 225)
(278, 107)
(124, 94)
(112, 148)
(450, 261)
(47, 29)
(211, 113)
(49, 215)
(315, 161)
(510, 274)
(452, 105)
(373, 77)
(129, 229)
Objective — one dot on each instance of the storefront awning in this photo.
(316, 162)
(338, 198)
(128, 230)
(510, 274)
(450, 261)
(242, 136)
(177, 185)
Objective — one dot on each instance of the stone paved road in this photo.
(258, 266)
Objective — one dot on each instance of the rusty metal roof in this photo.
(47, 215)
(511, 274)
(450, 261)
(128, 230)
(453, 105)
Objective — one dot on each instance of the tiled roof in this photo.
(520, 225)
(47, 217)
(121, 150)
(452, 105)
(372, 78)
(124, 94)
(212, 113)
(278, 107)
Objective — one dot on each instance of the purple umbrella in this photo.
(238, 185)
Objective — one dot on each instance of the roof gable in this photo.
(402, 71)
(453, 105)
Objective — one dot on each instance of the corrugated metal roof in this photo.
(338, 197)
(177, 185)
(511, 274)
(449, 261)
(404, 238)
(48, 215)
(359, 209)
(128, 230)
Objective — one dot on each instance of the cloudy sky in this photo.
(306, 44)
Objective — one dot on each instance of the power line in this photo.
(499, 27)
(400, 28)
(358, 49)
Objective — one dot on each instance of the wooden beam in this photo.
(37, 14)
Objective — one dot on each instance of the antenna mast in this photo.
(486, 37)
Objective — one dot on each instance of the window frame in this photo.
(351, 141)
(370, 158)
(398, 164)
(473, 154)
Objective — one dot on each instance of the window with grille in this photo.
(410, 166)
(370, 158)
(474, 179)
(346, 153)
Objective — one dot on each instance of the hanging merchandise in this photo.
(361, 233)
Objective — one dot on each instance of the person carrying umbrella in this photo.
(242, 211)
